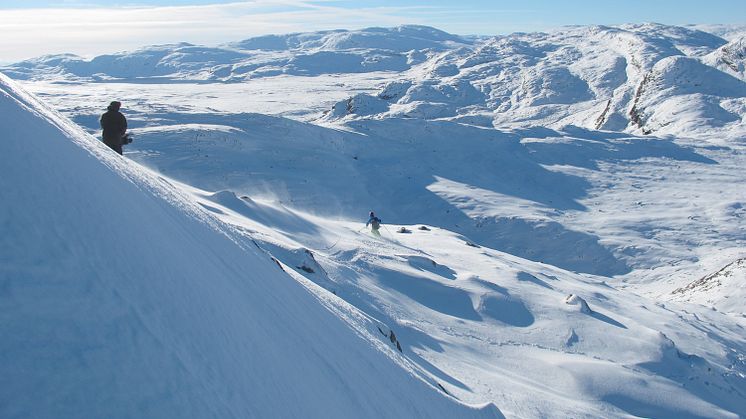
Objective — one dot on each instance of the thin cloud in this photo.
(88, 31)
(97, 30)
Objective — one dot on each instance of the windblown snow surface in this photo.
(564, 224)
(120, 298)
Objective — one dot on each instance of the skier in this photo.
(114, 126)
(375, 224)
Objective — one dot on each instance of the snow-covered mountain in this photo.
(121, 298)
(724, 288)
(593, 77)
(731, 58)
(612, 78)
(366, 50)
(567, 201)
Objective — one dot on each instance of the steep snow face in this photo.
(120, 298)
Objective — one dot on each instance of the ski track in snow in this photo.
(602, 162)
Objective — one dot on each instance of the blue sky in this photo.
(559, 12)
(88, 27)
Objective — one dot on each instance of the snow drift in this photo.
(120, 298)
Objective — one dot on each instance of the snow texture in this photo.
(121, 298)
(580, 193)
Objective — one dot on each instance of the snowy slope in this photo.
(579, 189)
(400, 39)
(488, 324)
(457, 308)
(341, 51)
(685, 92)
(728, 32)
(730, 58)
(120, 298)
(589, 76)
(725, 288)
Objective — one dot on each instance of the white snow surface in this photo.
(120, 298)
(724, 288)
(596, 77)
(572, 204)
(340, 51)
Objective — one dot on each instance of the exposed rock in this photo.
(386, 331)
(308, 263)
(278, 264)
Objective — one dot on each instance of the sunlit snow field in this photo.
(518, 193)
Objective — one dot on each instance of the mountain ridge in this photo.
(588, 76)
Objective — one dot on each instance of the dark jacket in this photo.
(114, 125)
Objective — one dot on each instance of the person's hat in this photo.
(114, 106)
(371, 214)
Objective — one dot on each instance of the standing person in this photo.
(114, 125)
(375, 224)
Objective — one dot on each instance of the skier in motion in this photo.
(114, 125)
(375, 224)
